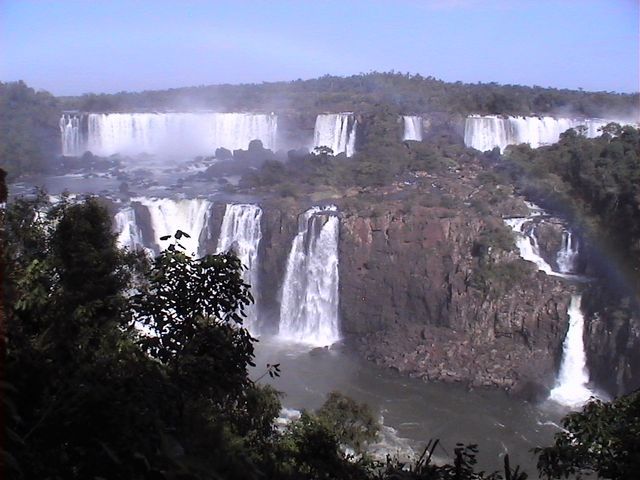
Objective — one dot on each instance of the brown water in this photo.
(413, 411)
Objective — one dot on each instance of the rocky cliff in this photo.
(436, 292)
(419, 295)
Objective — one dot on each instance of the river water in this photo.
(413, 411)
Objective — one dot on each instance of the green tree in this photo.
(352, 423)
(602, 439)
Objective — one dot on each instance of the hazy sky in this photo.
(73, 47)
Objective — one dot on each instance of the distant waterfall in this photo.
(241, 233)
(309, 308)
(168, 216)
(71, 135)
(412, 128)
(126, 226)
(336, 131)
(571, 387)
(166, 133)
(487, 132)
(568, 254)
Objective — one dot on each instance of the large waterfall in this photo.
(412, 128)
(168, 216)
(165, 133)
(571, 387)
(241, 233)
(487, 132)
(309, 308)
(336, 131)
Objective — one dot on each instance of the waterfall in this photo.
(487, 132)
(527, 244)
(166, 133)
(71, 135)
(309, 308)
(168, 216)
(336, 131)
(412, 128)
(568, 254)
(571, 387)
(241, 232)
(126, 226)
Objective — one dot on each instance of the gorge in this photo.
(394, 261)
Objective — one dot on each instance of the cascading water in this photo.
(527, 244)
(71, 135)
(241, 232)
(412, 128)
(571, 387)
(129, 234)
(568, 254)
(487, 132)
(168, 216)
(309, 307)
(166, 133)
(336, 131)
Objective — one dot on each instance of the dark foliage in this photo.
(29, 132)
(595, 183)
(604, 438)
(405, 92)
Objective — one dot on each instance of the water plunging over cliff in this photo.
(309, 307)
(412, 128)
(168, 216)
(487, 132)
(241, 232)
(568, 254)
(126, 226)
(527, 244)
(165, 133)
(71, 135)
(571, 387)
(336, 131)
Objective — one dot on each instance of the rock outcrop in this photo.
(432, 292)
(414, 297)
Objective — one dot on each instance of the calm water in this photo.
(414, 410)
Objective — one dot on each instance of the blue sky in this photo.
(72, 47)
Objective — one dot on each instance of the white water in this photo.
(71, 135)
(168, 216)
(487, 132)
(309, 306)
(241, 232)
(568, 254)
(166, 133)
(129, 234)
(336, 131)
(527, 244)
(412, 128)
(571, 387)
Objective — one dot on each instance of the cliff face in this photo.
(413, 297)
(612, 339)
(421, 293)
